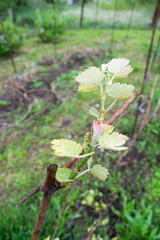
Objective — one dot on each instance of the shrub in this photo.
(50, 27)
(13, 36)
(26, 21)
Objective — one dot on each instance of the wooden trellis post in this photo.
(130, 19)
(97, 11)
(156, 13)
(82, 13)
(113, 27)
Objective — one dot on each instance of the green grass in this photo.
(142, 17)
(126, 5)
(139, 41)
(25, 150)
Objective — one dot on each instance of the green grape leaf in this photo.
(113, 141)
(48, 238)
(66, 147)
(87, 88)
(63, 174)
(119, 67)
(108, 129)
(94, 112)
(99, 172)
(90, 79)
(120, 91)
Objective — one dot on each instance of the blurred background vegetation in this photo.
(49, 43)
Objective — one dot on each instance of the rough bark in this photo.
(82, 13)
(50, 186)
(147, 64)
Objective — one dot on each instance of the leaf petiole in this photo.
(85, 155)
(82, 173)
(112, 104)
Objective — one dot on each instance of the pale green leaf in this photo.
(113, 141)
(119, 67)
(108, 129)
(120, 91)
(94, 112)
(66, 147)
(90, 79)
(87, 87)
(99, 172)
(48, 238)
(104, 67)
(63, 174)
